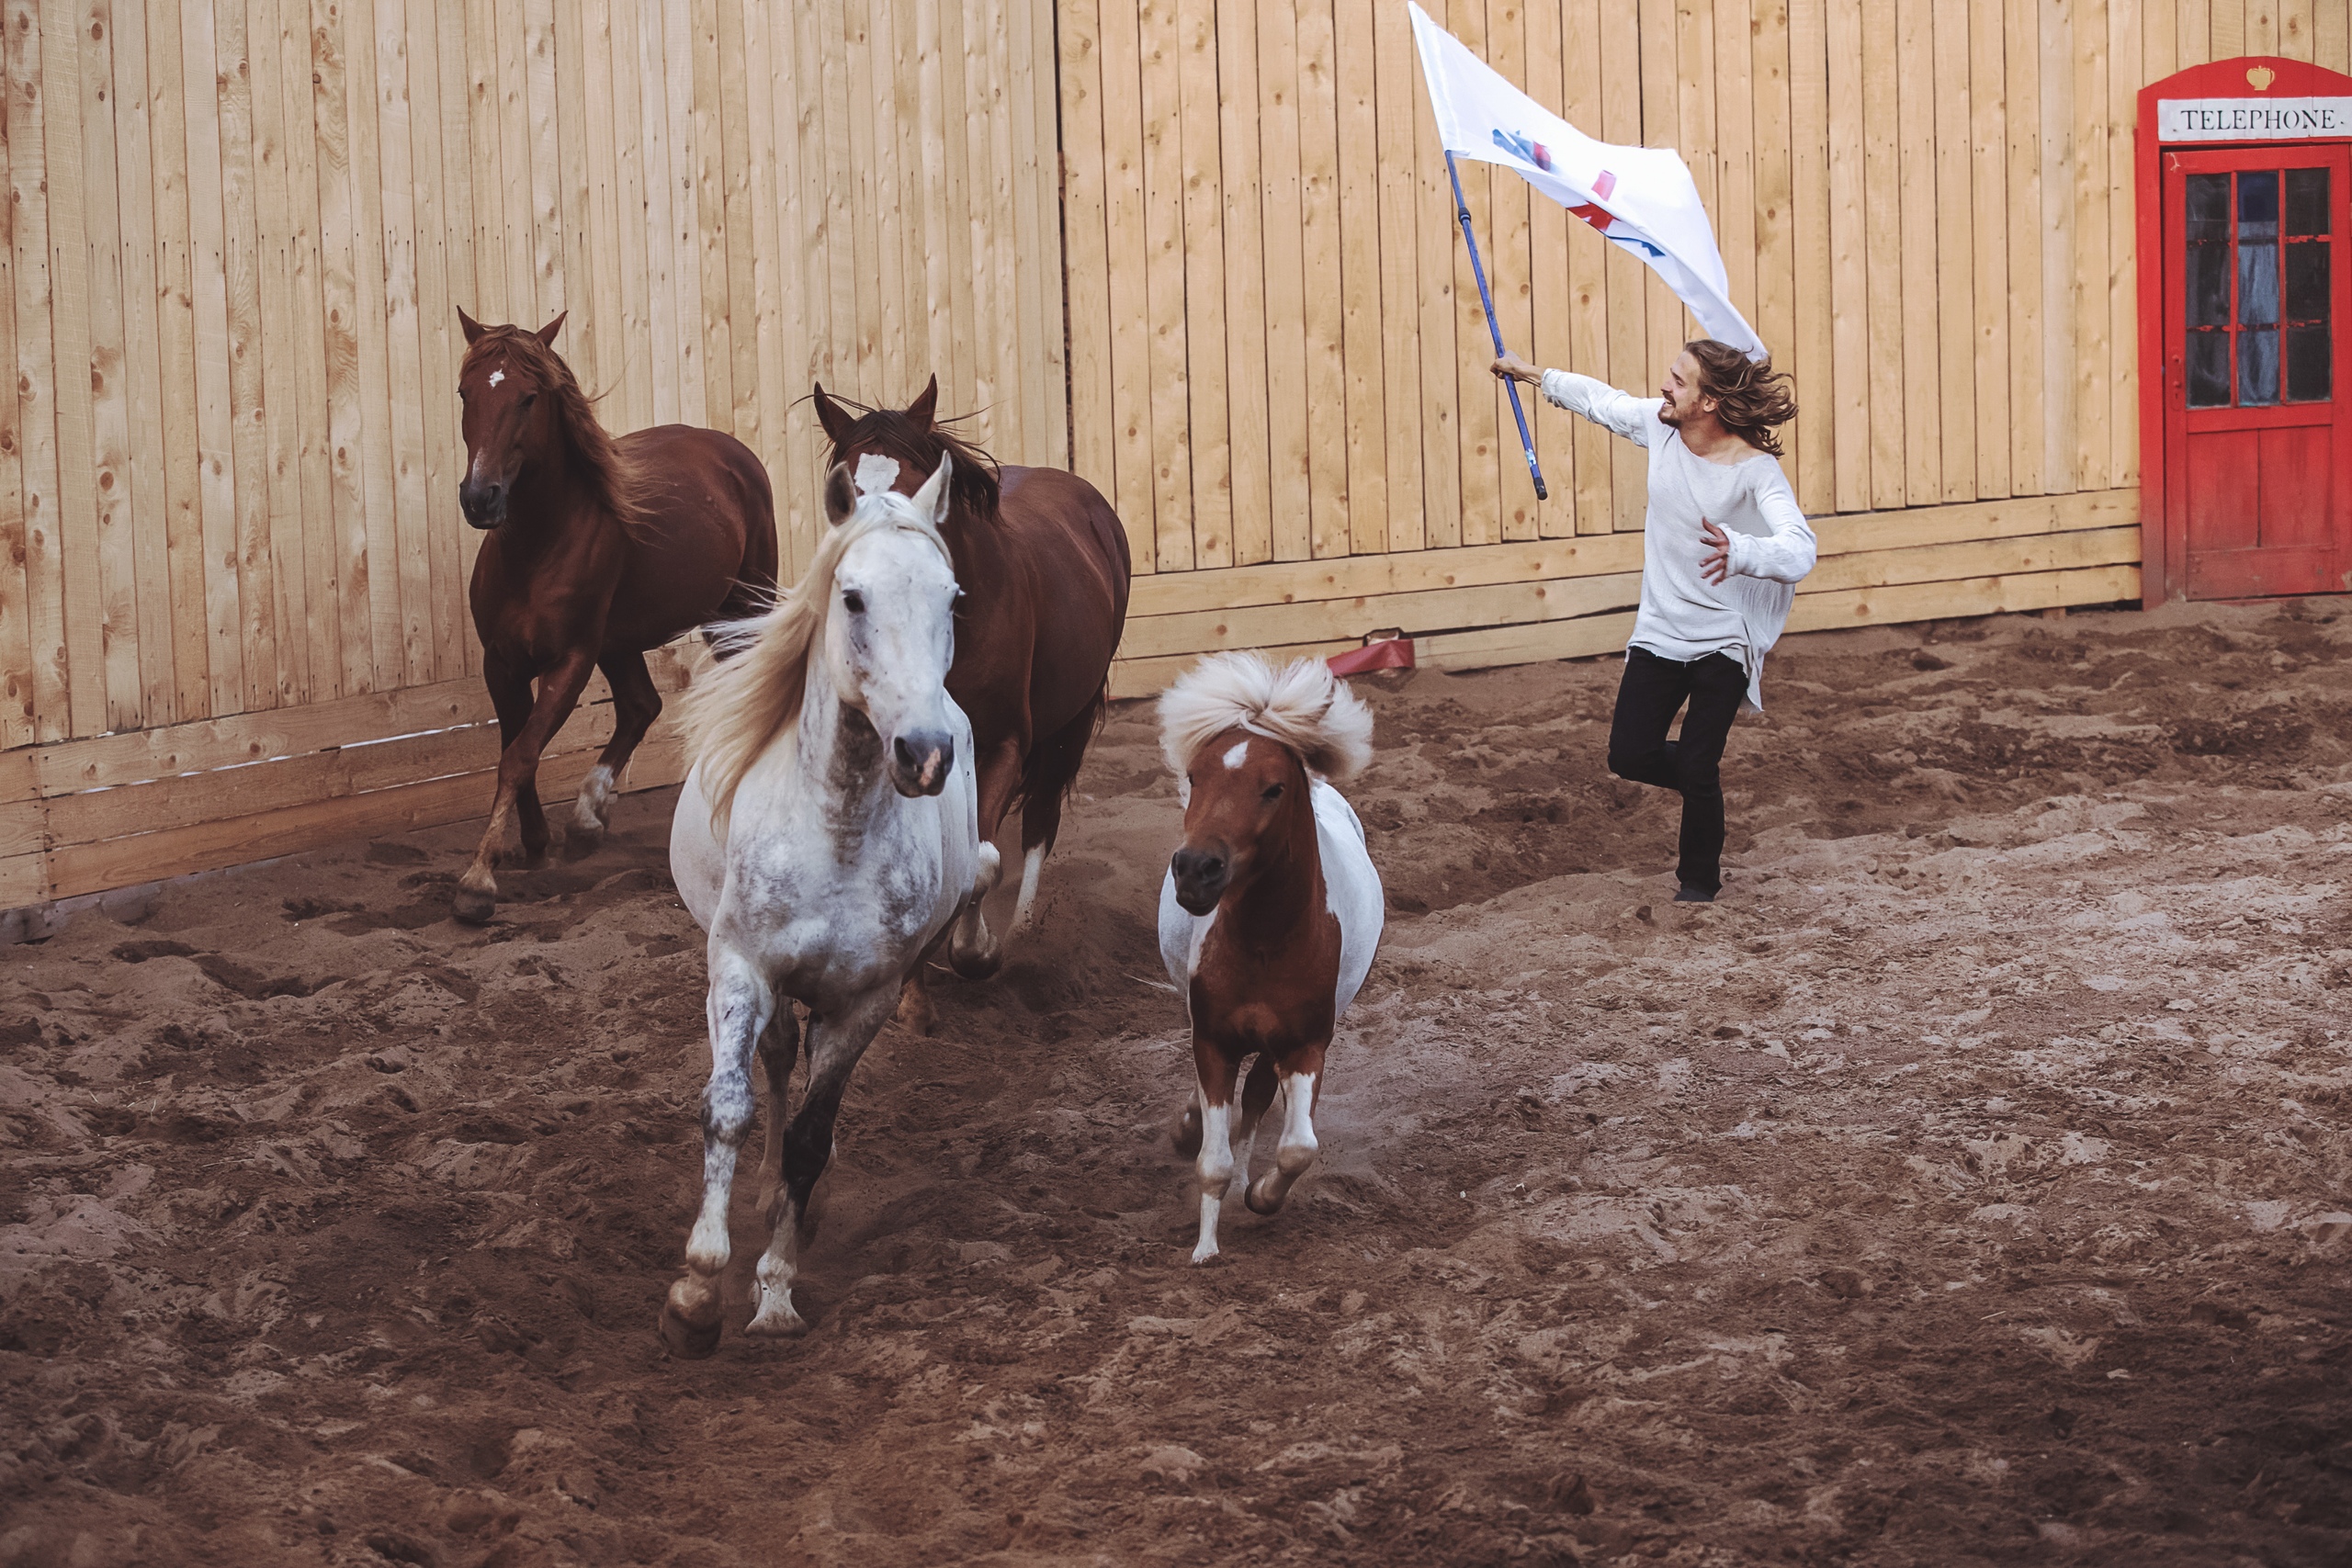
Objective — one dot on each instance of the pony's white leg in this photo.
(739, 1008)
(1296, 1150)
(1030, 864)
(836, 1040)
(593, 810)
(1214, 1169)
(971, 949)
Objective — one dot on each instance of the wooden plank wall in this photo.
(237, 236)
(1278, 356)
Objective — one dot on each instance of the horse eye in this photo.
(1274, 791)
(853, 602)
(530, 397)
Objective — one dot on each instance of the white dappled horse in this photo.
(828, 834)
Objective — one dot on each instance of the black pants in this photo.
(1653, 690)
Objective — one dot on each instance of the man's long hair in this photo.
(1751, 398)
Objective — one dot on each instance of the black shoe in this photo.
(1690, 895)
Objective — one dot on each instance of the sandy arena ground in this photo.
(1970, 1186)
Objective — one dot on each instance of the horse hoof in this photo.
(776, 1320)
(1187, 1133)
(687, 1341)
(473, 905)
(1261, 1198)
(916, 1015)
(976, 965)
(579, 842)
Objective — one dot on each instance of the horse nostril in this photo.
(904, 753)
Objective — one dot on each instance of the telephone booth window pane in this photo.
(2209, 207)
(2209, 284)
(2257, 367)
(2208, 369)
(2307, 281)
(2308, 366)
(2307, 201)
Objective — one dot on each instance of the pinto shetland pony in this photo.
(598, 548)
(1043, 562)
(1269, 912)
(826, 837)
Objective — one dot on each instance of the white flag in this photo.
(1640, 197)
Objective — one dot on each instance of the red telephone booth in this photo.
(2246, 393)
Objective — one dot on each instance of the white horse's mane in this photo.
(739, 706)
(1303, 705)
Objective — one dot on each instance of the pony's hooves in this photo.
(976, 965)
(579, 842)
(777, 1322)
(687, 1341)
(1187, 1133)
(473, 905)
(1262, 1199)
(1205, 1254)
(916, 1015)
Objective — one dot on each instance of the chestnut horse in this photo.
(1269, 912)
(598, 548)
(1043, 562)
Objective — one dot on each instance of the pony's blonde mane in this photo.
(1303, 705)
(739, 707)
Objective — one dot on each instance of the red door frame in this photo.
(2164, 519)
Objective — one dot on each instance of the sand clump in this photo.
(1972, 1185)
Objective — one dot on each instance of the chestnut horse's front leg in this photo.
(518, 768)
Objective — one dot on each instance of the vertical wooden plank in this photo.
(1882, 246)
(1947, 88)
(437, 169)
(18, 711)
(388, 335)
(2060, 201)
(2157, 18)
(2094, 366)
(804, 326)
(589, 77)
(1086, 268)
(1822, 450)
(1004, 246)
(275, 350)
(1852, 300)
(225, 613)
(489, 301)
(339, 290)
(2193, 33)
(738, 224)
(2297, 22)
(1624, 103)
(2022, 102)
(1356, 67)
(669, 365)
(2123, 83)
(1034, 248)
(1320, 266)
(1478, 399)
(517, 212)
(678, 92)
(1552, 307)
(2331, 37)
(1290, 477)
(310, 487)
(1204, 218)
(77, 535)
(705, 235)
(1768, 44)
(956, 89)
(1169, 381)
(1508, 279)
(642, 374)
(1591, 319)
(1401, 403)
(586, 332)
(770, 166)
(466, 264)
(1044, 200)
(1988, 163)
(108, 381)
(873, 288)
(2261, 27)
(2229, 30)
(1731, 147)
(176, 459)
(402, 648)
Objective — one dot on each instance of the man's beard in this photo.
(1666, 416)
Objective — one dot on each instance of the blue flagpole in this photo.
(1526, 442)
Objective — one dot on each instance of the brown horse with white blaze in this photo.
(598, 548)
(1044, 564)
(1271, 909)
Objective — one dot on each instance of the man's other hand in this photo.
(1509, 366)
(1715, 565)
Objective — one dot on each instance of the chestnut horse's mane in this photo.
(619, 482)
(972, 488)
(1303, 705)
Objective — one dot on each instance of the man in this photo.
(1722, 545)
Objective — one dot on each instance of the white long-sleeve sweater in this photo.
(1683, 615)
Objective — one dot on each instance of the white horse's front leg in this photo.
(1296, 1150)
(739, 1007)
(1215, 1169)
(835, 1043)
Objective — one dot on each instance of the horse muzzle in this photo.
(484, 504)
(1201, 876)
(920, 763)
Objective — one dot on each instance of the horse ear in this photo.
(838, 498)
(473, 329)
(832, 416)
(932, 500)
(926, 405)
(546, 334)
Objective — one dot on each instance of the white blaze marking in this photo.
(496, 377)
(876, 472)
(1233, 759)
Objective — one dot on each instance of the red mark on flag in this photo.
(1605, 186)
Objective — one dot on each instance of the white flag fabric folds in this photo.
(1640, 197)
